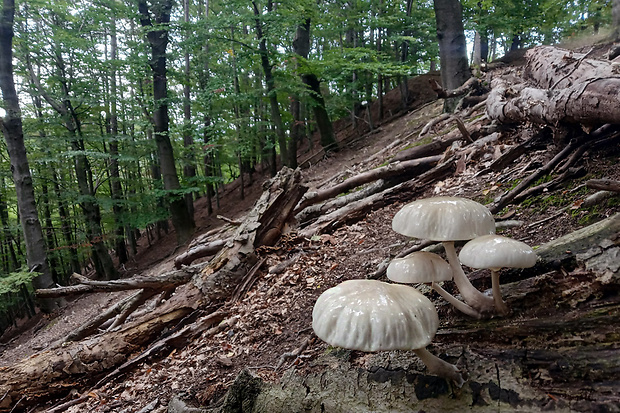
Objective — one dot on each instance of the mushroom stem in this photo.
(470, 294)
(439, 367)
(500, 305)
(458, 304)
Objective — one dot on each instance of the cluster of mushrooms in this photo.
(370, 315)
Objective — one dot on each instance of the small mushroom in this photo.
(494, 252)
(427, 267)
(370, 315)
(449, 219)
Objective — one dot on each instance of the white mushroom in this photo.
(370, 315)
(449, 219)
(427, 267)
(494, 252)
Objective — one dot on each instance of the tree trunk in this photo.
(182, 221)
(115, 176)
(189, 168)
(452, 48)
(276, 118)
(12, 129)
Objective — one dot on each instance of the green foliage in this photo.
(13, 282)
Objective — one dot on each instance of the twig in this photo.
(228, 220)
(293, 354)
(542, 221)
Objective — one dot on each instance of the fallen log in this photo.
(159, 282)
(438, 146)
(401, 169)
(604, 184)
(356, 211)
(199, 251)
(556, 68)
(591, 102)
(55, 372)
(314, 211)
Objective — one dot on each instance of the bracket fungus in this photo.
(427, 267)
(370, 315)
(449, 219)
(494, 252)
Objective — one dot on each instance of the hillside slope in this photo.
(557, 350)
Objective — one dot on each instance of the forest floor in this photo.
(273, 319)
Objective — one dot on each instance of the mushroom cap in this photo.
(370, 315)
(419, 267)
(444, 219)
(496, 251)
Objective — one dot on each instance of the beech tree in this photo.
(452, 47)
(11, 126)
(155, 20)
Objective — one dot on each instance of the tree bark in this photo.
(189, 167)
(115, 176)
(400, 169)
(157, 38)
(276, 117)
(575, 90)
(452, 48)
(12, 130)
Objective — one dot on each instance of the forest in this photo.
(133, 125)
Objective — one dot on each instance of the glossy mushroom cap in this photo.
(370, 315)
(444, 219)
(496, 251)
(419, 267)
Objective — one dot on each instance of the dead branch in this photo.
(292, 354)
(394, 169)
(597, 198)
(355, 211)
(509, 196)
(433, 122)
(604, 184)
(438, 146)
(568, 174)
(133, 305)
(228, 220)
(176, 339)
(442, 93)
(314, 211)
(462, 128)
(160, 282)
(515, 152)
(91, 326)
(199, 251)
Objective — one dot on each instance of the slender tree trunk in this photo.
(276, 117)
(189, 167)
(115, 176)
(65, 225)
(404, 55)
(157, 38)
(12, 129)
(301, 46)
(208, 157)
